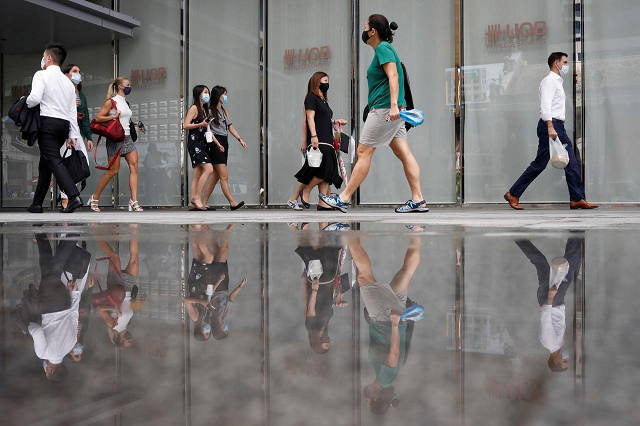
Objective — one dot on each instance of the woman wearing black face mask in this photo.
(120, 88)
(384, 126)
(317, 132)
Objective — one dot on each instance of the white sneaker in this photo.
(294, 205)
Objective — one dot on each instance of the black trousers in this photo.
(53, 134)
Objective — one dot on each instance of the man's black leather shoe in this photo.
(35, 209)
(72, 205)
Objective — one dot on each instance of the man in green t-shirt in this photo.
(384, 304)
(384, 126)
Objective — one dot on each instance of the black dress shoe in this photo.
(35, 209)
(72, 205)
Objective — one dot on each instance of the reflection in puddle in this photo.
(107, 323)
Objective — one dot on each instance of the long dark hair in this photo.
(381, 24)
(314, 85)
(197, 92)
(216, 92)
(67, 70)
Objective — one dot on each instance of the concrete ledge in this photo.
(604, 218)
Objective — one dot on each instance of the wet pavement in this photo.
(302, 324)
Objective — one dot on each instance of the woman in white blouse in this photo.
(120, 88)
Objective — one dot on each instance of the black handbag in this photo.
(132, 128)
(132, 132)
(77, 166)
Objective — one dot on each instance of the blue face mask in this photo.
(225, 327)
(127, 90)
(205, 98)
(76, 78)
(206, 328)
(224, 99)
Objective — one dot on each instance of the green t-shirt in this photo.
(379, 92)
(379, 346)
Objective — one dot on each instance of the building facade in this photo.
(474, 67)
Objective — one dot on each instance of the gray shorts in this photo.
(380, 297)
(378, 131)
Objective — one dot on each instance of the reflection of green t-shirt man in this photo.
(380, 346)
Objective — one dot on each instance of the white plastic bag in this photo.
(558, 153)
(314, 157)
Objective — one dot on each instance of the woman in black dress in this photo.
(321, 293)
(196, 123)
(318, 130)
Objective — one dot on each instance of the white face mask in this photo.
(44, 365)
(564, 70)
(42, 63)
(565, 354)
(206, 328)
(76, 78)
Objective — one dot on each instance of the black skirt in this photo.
(328, 170)
(216, 156)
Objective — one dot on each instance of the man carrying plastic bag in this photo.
(551, 126)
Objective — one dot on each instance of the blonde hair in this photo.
(113, 87)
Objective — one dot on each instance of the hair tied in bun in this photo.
(393, 26)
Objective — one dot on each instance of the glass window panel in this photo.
(152, 61)
(501, 92)
(224, 50)
(612, 96)
(296, 27)
(427, 61)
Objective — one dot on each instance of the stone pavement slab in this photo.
(497, 217)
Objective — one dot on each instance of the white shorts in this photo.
(380, 297)
(378, 131)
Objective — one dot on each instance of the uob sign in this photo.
(306, 58)
(516, 35)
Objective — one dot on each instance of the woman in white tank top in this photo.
(120, 88)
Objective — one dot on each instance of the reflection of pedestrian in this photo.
(389, 337)
(551, 125)
(209, 300)
(50, 312)
(553, 283)
(322, 283)
(118, 316)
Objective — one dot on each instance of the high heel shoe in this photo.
(93, 204)
(134, 206)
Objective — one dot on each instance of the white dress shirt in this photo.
(127, 313)
(125, 113)
(552, 327)
(56, 95)
(552, 98)
(59, 332)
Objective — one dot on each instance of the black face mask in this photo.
(324, 87)
(365, 36)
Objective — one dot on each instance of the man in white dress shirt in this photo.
(551, 125)
(553, 283)
(50, 313)
(56, 95)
